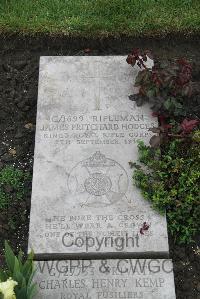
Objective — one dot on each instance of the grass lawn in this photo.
(94, 18)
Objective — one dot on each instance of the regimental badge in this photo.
(98, 181)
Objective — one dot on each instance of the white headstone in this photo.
(105, 279)
(83, 198)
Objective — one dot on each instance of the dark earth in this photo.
(19, 66)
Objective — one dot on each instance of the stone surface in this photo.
(105, 279)
(83, 197)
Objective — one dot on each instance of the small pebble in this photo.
(12, 152)
(28, 126)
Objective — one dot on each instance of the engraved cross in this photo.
(98, 86)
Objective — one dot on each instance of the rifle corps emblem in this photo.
(98, 181)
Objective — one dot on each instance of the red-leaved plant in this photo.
(166, 130)
(167, 86)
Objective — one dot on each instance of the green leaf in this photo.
(31, 277)
(140, 77)
(134, 165)
(23, 283)
(32, 291)
(20, 257)
(21, 293)
(3, 276)
(168, 104)
(17, 275)
(155, 141)
(10, 258)
(16, 266)
(150, 93)
(27, 268)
